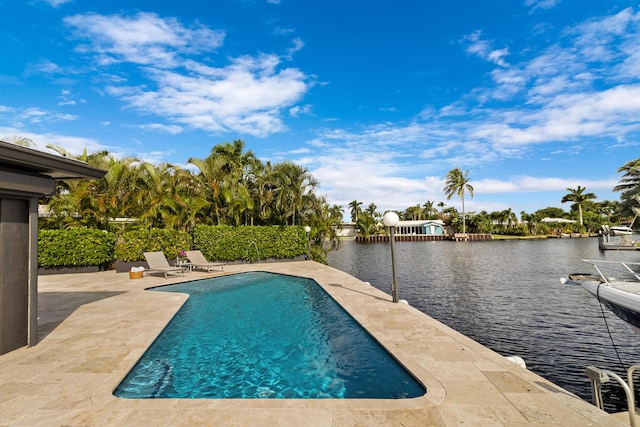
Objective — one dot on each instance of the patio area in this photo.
(92, 328)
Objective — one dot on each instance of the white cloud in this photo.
(549, 106)
(302, 150)
(246, 96)
(542, 4)
(44, 66)
(346, 175)
(142, 39)
(159, 127)
(56, 3)
(612, 113)
(66, 98)
(561, 95)
(299, 110)
(32, 115)
(153, 157)
(377, 176)
(73, 144)
(298, 44)
(484, 49)
(598, 51)
(533, 184)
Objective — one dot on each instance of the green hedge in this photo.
(249, 243)
(88, 247)
(74, 248)
(131, 246)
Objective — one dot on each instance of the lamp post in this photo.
(391, 219)
(307, 230)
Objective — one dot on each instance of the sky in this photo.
(377, 99)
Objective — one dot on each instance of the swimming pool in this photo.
(264, 335)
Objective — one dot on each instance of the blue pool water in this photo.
(264, 335)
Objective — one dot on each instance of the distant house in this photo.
(426, 227)
(348, 230)
(559, 220)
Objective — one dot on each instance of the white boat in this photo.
(624, 243)
(616, 284)
(620, 230)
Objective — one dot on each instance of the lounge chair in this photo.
(198, 260)
(159, 264)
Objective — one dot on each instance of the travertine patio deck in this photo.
(94, 326)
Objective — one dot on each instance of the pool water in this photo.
(264, 335)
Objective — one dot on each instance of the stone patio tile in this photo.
(95, 326)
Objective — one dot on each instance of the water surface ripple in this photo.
(507, 295)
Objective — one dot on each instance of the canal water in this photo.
(507, 295)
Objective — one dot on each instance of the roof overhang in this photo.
(24, 170)
(38, 162)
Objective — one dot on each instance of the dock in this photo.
(624, 243)
(456, 237)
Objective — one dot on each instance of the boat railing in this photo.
(599, 376)
(614, 266)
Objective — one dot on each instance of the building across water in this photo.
(412, 231)
(427, 227)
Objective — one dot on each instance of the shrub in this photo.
(249, 243)
(130, 246)
(74, 248)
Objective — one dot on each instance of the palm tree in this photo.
(264, 190)
(413, 213)
(231, 187)
(325, 221)
(608, 208)
(233, 156)
(366, 225)
(226, 177)
(295, 189)
(578, 196)
(509, 217)
(629, 184)
(631, 178)
(238, 199)
(441, 205)
(371, 210)
(428, 209)
(337, 212)
(95, 203)
(18, 140)
(355, 210)
(457, 183)
(211, 179)
(157, 199)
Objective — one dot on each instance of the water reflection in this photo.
(507, 295)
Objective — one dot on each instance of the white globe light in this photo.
(307, 229)
(390, 219)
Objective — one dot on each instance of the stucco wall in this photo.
(14, 273)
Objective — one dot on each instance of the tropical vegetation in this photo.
(457, 182)
(232, 187)
(585, 215)
(228, 187)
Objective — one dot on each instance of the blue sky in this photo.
(378, 99)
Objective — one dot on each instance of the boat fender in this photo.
(517, 360)
(404, 301)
